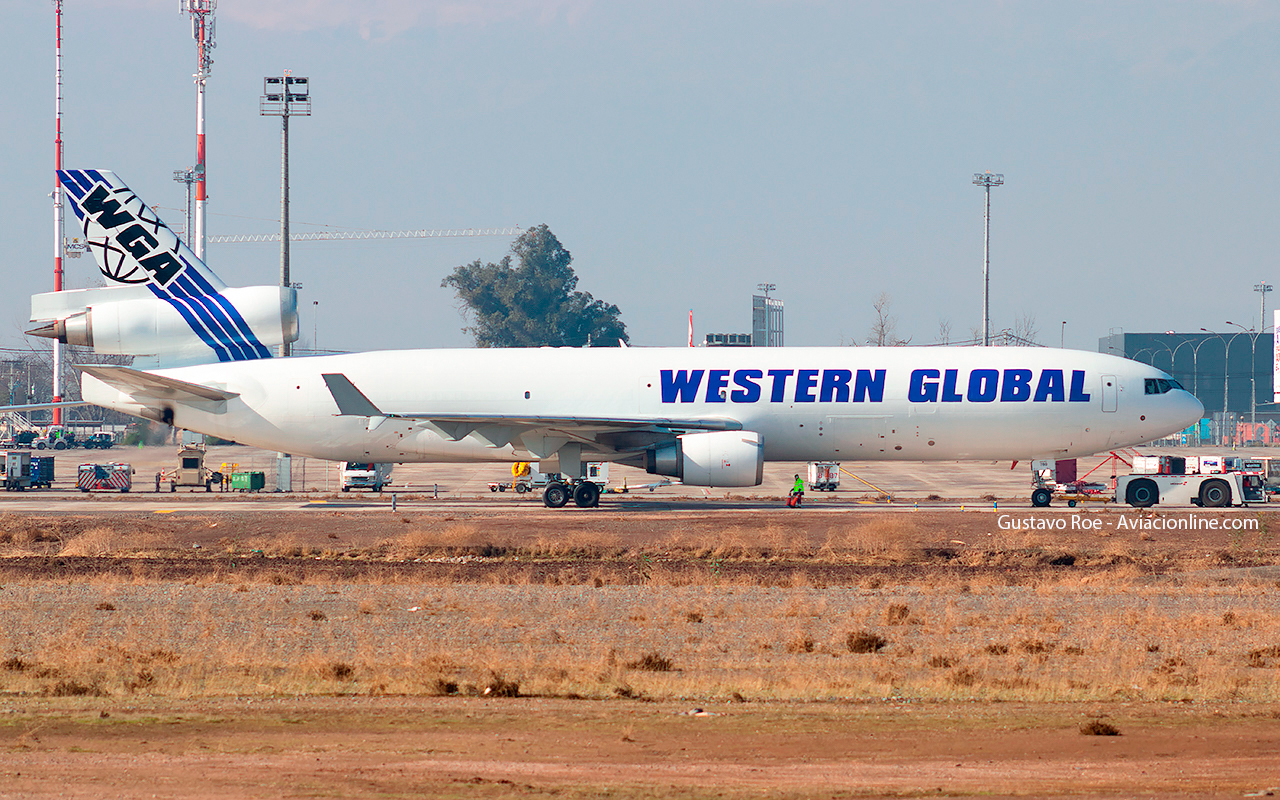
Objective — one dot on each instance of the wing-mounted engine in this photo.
(232, 325)
(718, 458)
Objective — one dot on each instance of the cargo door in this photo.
(1110, 392)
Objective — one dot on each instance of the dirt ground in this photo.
(85, 594)
(530, 747)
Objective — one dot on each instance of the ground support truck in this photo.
(1215, 490)
(365, 476)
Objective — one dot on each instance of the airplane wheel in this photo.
(1215, 494)
(1041, 498)
(1142, 494)
(586, 495)
(555, 495)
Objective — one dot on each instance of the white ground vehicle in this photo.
(356, 475)
(1215, 490)
(824, 476)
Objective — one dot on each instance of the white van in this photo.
(365, 476)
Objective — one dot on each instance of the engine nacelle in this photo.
(234, 325)
(720, 458)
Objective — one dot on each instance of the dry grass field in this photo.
(541, 653)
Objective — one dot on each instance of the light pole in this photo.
(285, 96)
(1262, 288)
(986, 180)
(1062, 340)
(1253, 368)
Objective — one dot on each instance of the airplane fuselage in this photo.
(844, 403)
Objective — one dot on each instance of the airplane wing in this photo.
(148, 386)
(538, 434)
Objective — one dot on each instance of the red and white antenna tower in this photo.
(59, 220)
(202, 28)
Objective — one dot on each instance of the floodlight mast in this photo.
(1262, 289)
(284, 96)
(987, 180)
(59, 213)
(202, 30)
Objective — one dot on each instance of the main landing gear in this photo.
(585, 494)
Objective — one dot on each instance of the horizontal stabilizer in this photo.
(149, 386)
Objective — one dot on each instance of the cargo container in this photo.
(248, 481)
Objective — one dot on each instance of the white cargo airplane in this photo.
(708, 416)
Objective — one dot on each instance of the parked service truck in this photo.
(357, 475)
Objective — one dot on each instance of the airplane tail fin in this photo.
(128, 240)
(160, 298)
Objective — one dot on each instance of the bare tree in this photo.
(943, 335)
(883, 330)
(1025, 328)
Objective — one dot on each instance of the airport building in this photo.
(1231, 373)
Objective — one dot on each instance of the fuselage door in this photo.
(1110, 392)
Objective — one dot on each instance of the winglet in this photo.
(351, 401)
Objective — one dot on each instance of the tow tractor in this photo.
(190, 471)
(1169, 480)
(1201, 481)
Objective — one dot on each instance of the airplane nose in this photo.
(1190, 409)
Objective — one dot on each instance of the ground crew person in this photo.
(797, 494)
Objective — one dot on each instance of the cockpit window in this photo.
(1160, 385)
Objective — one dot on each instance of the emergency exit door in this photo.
(1110, 392)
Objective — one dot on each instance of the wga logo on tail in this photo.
(135, 246)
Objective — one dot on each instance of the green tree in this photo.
(532, 302)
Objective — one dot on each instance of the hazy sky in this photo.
(686, 151)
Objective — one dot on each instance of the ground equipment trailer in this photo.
(17, 470)
(114, 477)
(1214, 490)
(824, 476)
(1060, 479)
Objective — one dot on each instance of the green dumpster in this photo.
(248, 481)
